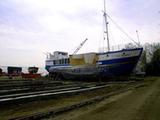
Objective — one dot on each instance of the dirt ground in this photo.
(139, 104)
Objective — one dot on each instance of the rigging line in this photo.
(122, 30)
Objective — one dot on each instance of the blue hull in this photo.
(116, 69)
(108, 68)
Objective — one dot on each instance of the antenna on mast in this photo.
(106, 24)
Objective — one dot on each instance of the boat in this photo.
(32, 73)
(33, 70)
(93, 65)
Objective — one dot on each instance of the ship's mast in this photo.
(138, 37)
(106, 25)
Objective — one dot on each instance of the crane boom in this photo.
(79, 47)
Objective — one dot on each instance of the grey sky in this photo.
(28, 28)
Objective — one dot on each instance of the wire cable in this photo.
(122, 30)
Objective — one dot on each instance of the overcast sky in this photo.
(29, 28)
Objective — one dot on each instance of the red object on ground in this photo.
(29, 75)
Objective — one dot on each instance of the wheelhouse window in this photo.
(107, 55)
(54, 62)
(59, 62)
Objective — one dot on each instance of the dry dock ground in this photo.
(139, 104)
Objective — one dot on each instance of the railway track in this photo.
(58, 111)
(43, 91)
(19, 84)
(34, 89)
(31, 96)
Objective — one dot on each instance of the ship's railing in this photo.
(118, 47)
(51, 56)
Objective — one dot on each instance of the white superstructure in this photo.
(57, 58)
